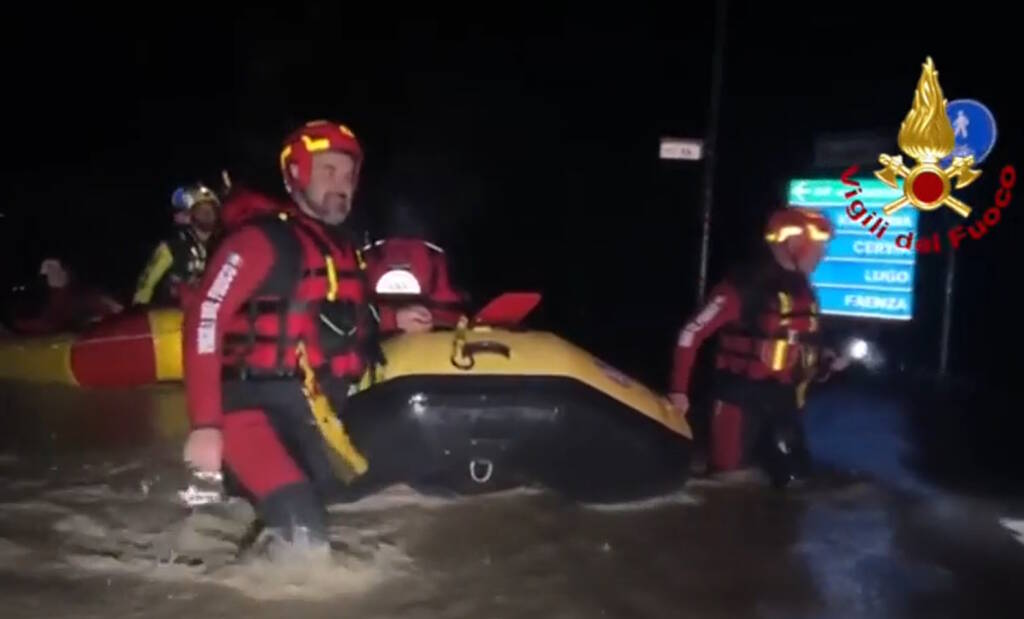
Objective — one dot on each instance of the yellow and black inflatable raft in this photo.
(484, 408)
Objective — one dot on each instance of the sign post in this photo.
(717, 62)
(974, 134)
(947, 313)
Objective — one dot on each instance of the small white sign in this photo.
(680, 148)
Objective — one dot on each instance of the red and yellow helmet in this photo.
(806, 225)
(314, 137)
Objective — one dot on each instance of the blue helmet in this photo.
(184, 198)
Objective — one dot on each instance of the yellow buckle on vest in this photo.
(332, 279)
(785, 307)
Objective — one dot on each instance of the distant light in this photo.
(857, 349)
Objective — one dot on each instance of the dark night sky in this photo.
(508, 131)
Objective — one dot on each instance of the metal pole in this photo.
(717, 61)
(947, 312)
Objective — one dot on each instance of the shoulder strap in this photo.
(284, 276)
(287, 267)
(751, 287)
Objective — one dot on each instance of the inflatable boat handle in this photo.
(486, 464)
(466, 360)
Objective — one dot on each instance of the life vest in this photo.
(777, 336)
(412, 271)
(189, 254)
(316, 293)
(177, 262)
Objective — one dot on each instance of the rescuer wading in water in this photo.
(769, 350)
(282, 317)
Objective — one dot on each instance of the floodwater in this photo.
(91, 525)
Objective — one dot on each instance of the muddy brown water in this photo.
(91, 525)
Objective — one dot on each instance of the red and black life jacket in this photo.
(316, 293)
(778, 334)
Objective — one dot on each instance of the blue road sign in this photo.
(861, 275)
(867, 249)
(974, 130)
(893, 305)
(864, 276)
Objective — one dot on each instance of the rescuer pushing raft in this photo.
(768, 352)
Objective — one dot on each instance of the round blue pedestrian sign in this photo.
(974, 130)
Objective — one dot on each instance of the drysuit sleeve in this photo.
(160, 262)
(447, 301)
(724, 306)
(236, 271)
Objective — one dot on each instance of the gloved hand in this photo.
(681, 401)
(414, 319)
(204, 449)
(836, 362)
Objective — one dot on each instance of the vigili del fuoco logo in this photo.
(928, 137)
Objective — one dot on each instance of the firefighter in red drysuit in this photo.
(413, 273)
(70, 305)
(274, 282)
(768, 351)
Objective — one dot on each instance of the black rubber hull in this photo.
(482, 434)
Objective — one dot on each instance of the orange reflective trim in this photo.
(785, 308)
(345, 130)
(315, 146)
(779, 355)
(287, 152)
(817, 234)
(332, 279)
(784, 233)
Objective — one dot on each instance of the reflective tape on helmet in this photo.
(784, 233)
(286, 152)
(315, 146)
